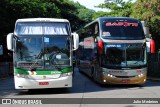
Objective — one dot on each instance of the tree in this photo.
(16, 9)
(84, 13)
(116, 8)
(149, 11)
(69, 11)
(11, 10)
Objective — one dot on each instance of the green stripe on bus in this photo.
(65, 70)
(21, 71)
(50, 72)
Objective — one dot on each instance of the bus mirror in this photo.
(75, 41)
(10, 41)
(146, 32)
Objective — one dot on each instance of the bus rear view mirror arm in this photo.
(75, 41)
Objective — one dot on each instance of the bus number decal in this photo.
(55, 72)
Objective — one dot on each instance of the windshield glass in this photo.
(121, 29)
(40, 28)
(42, 52)
(124, 55)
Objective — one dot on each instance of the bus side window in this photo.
(96, 29)
(88, 32)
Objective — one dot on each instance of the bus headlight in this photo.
(140, 75)
(109, 75)
(112, 76)
(66, 74)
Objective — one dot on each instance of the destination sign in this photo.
(28, 64)
(125, 24)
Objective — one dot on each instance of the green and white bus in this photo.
(42, 53)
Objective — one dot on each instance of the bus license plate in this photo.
(43, 83)
(125, 81)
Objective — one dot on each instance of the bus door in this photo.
(87, 54)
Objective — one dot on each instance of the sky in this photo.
(91, 3)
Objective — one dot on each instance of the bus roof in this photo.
(42, 20)
(112, 18)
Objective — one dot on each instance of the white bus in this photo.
(42, 53)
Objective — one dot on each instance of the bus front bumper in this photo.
(24, 83)
(136, 80)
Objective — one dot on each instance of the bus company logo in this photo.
(125, 24)
(115, 71)
(44, 77)
(55, 72)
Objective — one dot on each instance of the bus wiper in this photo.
(31, 67)
(52, 58)
(142, 55)
(126, 53)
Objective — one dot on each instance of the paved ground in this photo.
(83, 88)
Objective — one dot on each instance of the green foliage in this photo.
(85, 14)
(149, 11)
(116, 8)
(15, 9)
(11, 10)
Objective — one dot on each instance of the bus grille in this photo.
(125, 76)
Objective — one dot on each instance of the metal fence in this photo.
(6, 69)
(154, 65)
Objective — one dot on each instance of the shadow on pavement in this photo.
(81, 84)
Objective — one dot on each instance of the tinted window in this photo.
(122, 29)
(40, 28)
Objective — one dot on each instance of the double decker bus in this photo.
(42, 53)
(112, 50)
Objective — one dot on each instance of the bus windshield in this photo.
(124, 55)
(46, 52)
(122, 29)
